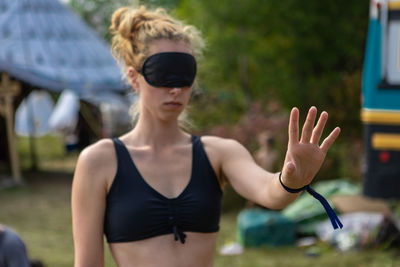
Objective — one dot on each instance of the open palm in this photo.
(304, 157)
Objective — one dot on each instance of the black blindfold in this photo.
(169, 69)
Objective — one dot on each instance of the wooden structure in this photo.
(8, 90)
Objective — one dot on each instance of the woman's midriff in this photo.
(198, 251)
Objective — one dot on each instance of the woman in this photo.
(155, 192)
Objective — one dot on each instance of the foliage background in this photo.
(262, 53)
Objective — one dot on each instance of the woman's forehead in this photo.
(165, 45)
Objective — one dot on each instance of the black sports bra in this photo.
(136, 211)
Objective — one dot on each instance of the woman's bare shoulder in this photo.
(219, 148)
(99, 151)
(98, 160)
(225, 149)
(220, 144)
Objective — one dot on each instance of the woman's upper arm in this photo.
(89, 191)
(239, 168)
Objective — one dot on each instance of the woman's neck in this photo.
(157, 133)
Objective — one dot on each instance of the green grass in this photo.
(40, 213)
(49, 151)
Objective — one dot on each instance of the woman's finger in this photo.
(319, 128)
(308, 125)
(327, 143)
(294, 126)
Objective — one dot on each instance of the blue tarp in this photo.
(45, 44)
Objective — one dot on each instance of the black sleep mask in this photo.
(169, 69)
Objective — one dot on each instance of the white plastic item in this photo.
(32, 115)
(64, 118)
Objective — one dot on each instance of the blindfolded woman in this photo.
(155, 192)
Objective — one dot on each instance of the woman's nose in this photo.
(175, 90)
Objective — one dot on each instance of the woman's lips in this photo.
(173, 104)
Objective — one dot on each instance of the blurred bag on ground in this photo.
(258, 227)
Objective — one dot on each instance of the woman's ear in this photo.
(133, 78)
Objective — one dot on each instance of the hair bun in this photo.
(117, 19)
(127, 21)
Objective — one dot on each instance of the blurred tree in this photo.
(98, 12)
(300, 53)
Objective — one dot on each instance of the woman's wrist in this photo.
(290, 189)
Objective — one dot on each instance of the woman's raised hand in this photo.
(304, 157)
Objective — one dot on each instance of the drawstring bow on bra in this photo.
(178, 233)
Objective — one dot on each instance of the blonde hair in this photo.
(133, 29)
